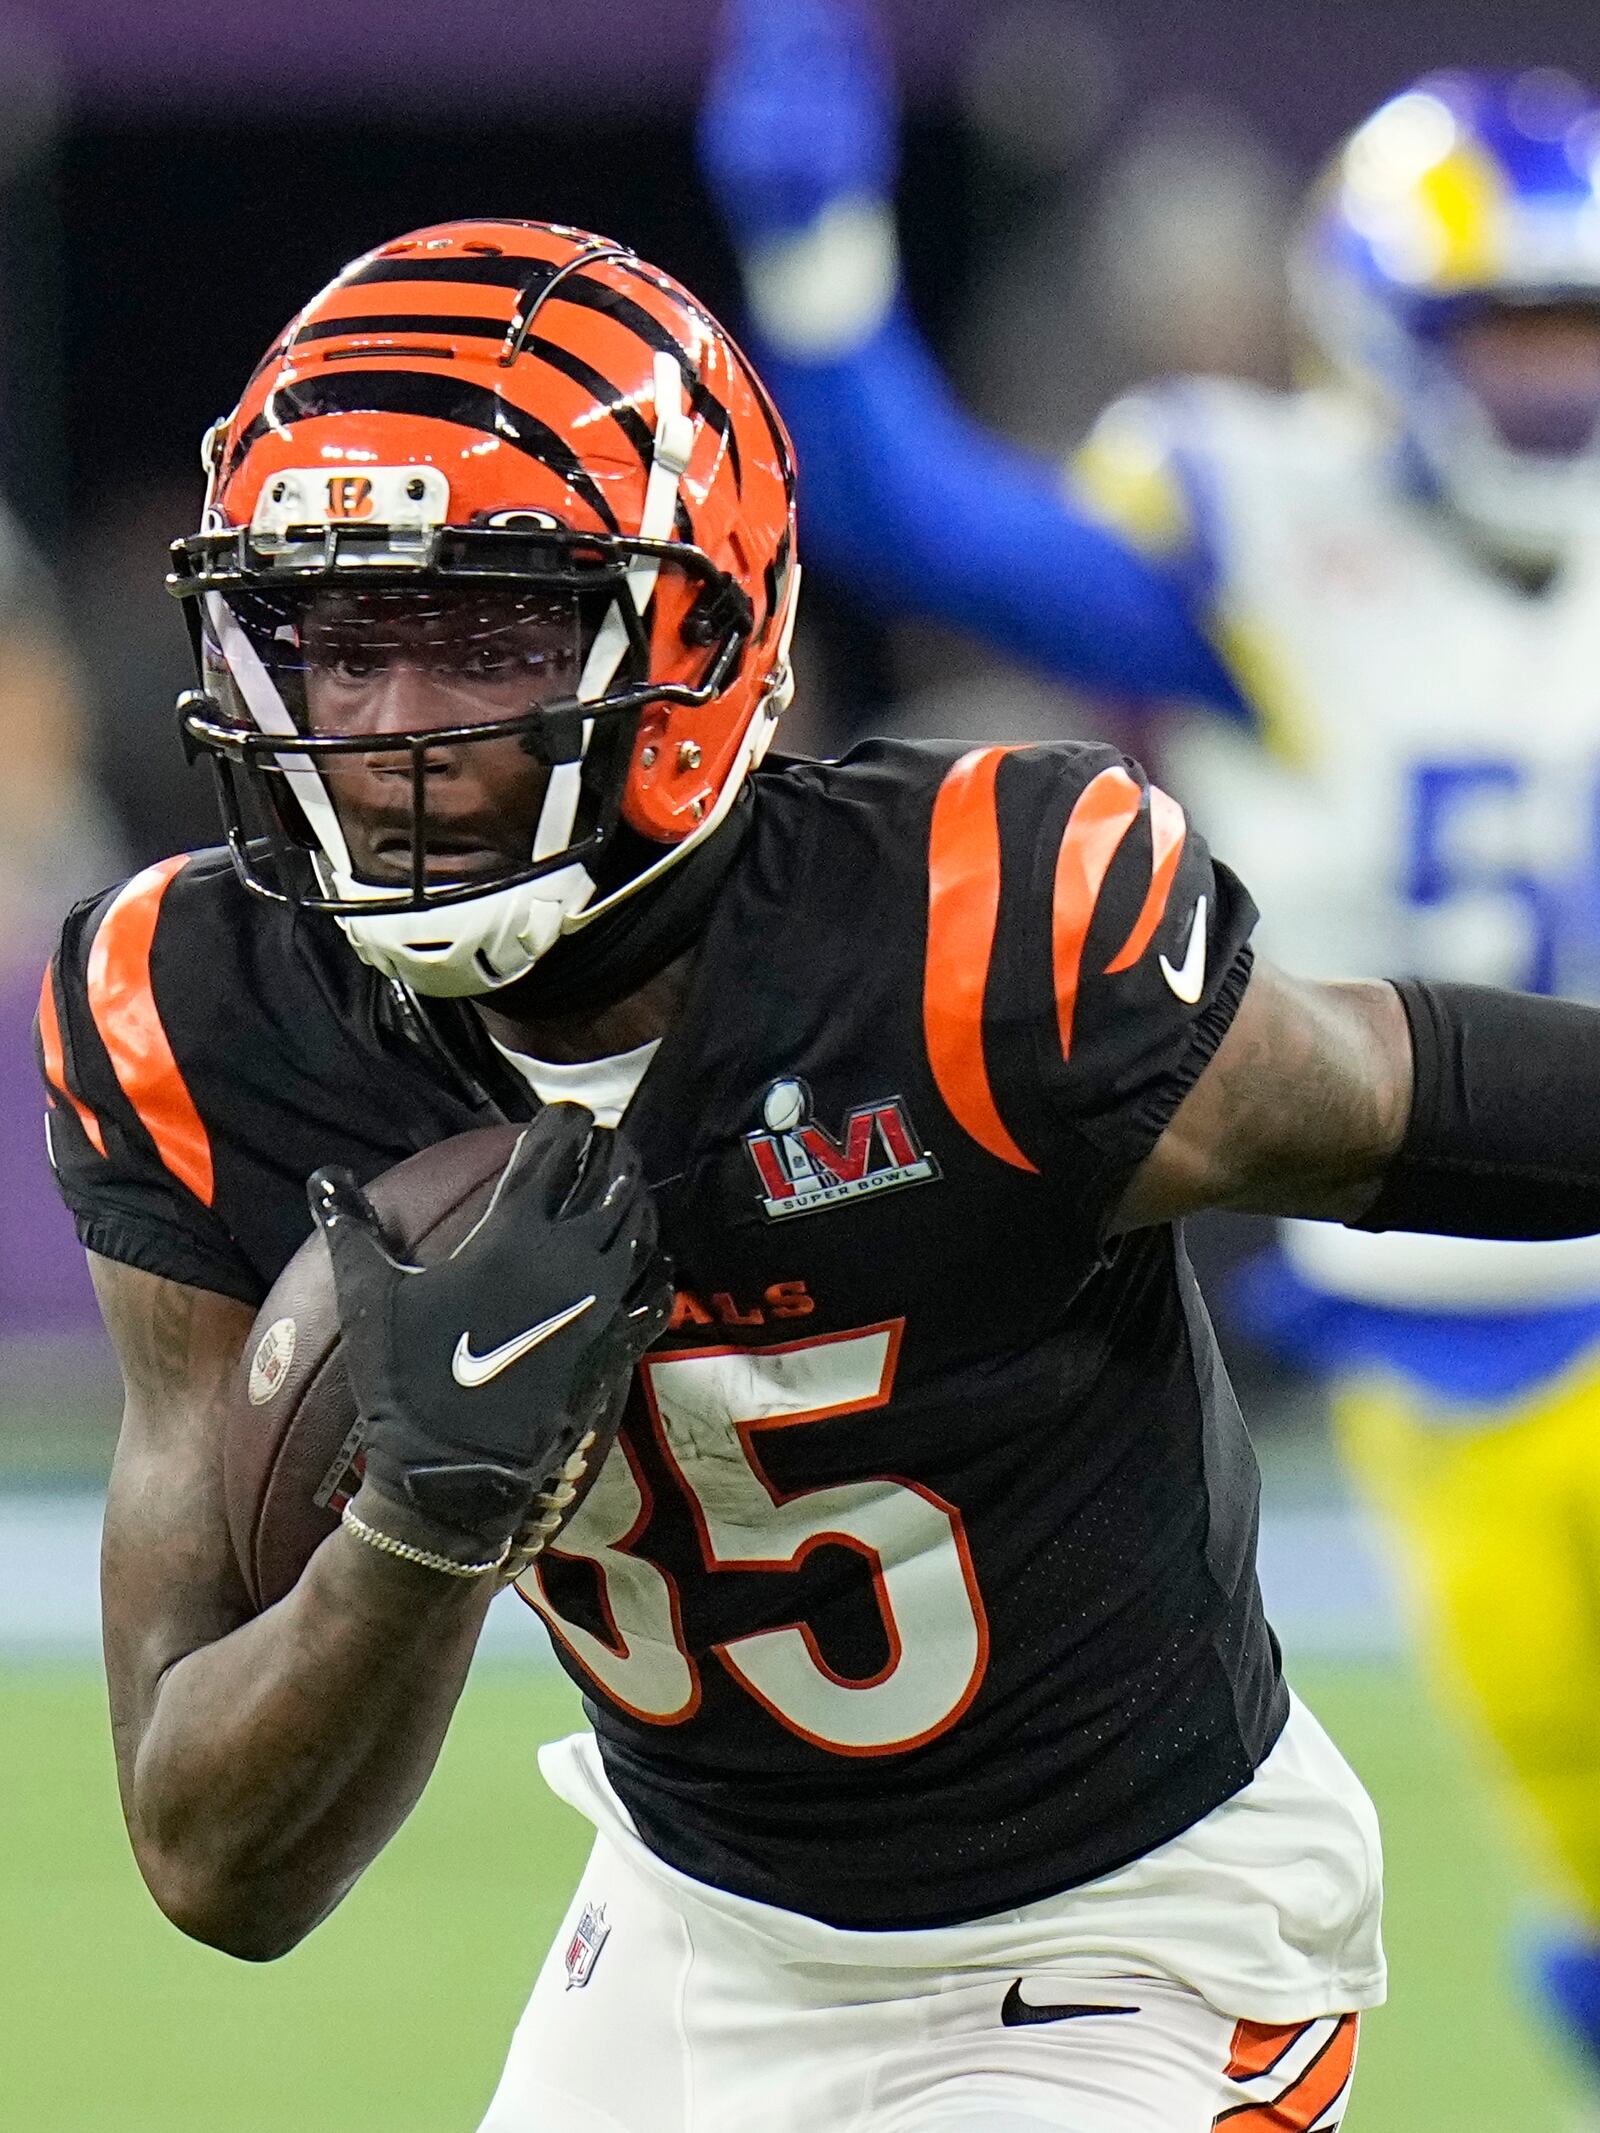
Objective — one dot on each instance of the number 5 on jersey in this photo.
(710, 1407)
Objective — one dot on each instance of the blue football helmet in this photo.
(1463, 197)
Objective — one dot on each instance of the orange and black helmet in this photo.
(487, 407)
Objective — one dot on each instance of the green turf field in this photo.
(395, 2013)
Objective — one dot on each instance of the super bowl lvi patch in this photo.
(804, 1169)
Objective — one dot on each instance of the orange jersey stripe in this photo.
(55, 1063)
(963, 911)
(1167, 832)
(1307, 2097)
(125, 1014)
(1105, 811)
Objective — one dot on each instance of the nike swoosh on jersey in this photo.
(470, 1370)
(1188, 980)
(1016, 2012)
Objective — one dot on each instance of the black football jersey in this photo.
(921, 1581)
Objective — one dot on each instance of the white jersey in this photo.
(1421, 792)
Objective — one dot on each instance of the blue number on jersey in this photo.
(1437, 869)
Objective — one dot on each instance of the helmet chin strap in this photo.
(758, 736)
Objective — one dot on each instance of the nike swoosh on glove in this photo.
(801, 113)
(469, 1417)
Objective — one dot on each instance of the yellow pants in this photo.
(1496, 1515)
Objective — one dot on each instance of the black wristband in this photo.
(1504, 1135)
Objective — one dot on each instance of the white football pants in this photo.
(647, 2020)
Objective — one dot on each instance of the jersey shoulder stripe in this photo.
(53, 1055)
(123, 1004)
(1168, 829)
(963, 915)
(1101, 817)
(1126, 472)
(1051, 869)
(1105, 811)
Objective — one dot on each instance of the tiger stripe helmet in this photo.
(496, 405)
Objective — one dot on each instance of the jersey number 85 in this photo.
(710, 1408)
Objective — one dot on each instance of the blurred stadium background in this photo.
(172, 182)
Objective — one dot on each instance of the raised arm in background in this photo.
(901, 491)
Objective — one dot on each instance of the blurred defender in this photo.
(1386, 592)
(944, 1774)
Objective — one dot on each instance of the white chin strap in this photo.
(753, 745)
(487, 941)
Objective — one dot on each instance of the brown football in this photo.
(292, 1433)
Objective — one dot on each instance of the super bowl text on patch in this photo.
(804, 1169)
(588, 1938)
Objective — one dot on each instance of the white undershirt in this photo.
(604, 1086)
(1268, 1907)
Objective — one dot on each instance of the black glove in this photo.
(478, 1377)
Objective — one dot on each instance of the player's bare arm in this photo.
(266, 1758)
(1300, 1112)
(1450, 1110)
(264, 1761)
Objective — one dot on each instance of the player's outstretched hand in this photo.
(800, 114)
(478, 1376)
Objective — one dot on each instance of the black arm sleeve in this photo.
(1504, 1136)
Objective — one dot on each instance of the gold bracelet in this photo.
(424, 1557)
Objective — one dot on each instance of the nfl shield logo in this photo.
(588, 1938)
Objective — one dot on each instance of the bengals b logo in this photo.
(349, 496)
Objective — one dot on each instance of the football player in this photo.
(1383, 596)
(942, 1766)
